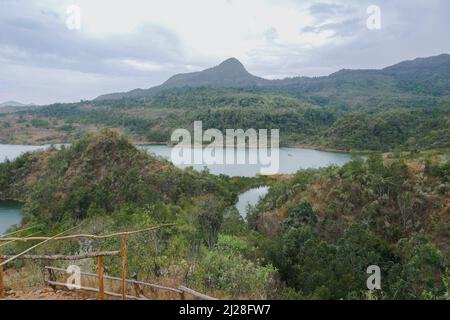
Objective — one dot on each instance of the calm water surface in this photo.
(290, 160)
(10, 214)
(250, 197)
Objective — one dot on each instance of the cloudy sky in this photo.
(127, 44)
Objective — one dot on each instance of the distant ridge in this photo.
(12, 104)
(431, 75)
(230, 73)
(432, 65)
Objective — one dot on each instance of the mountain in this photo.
(103, 170)
(421, 67)
(12, 104)
(408, 82)
(406, 105)
(231, 73)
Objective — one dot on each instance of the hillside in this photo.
(102, 171)
(311, 237)
(231, 73)
(153, 119)
(407, 82)
(404, 106)
(104, 184)
(326, 226)
(11, 104)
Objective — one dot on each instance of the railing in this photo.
(181, 290)
(196, 294)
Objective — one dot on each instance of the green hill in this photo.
(403, 106)
(325, 227)
(102, 171)
(407, 82)
(313, 235)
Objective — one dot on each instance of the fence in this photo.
(181, 290)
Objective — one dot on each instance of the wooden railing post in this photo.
(124, 267)
(137, 289)
(51, 277)
(2, 288)
(101, 290)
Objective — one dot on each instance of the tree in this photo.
(357, 249)
(375, 163)
(420, 269)
(208, 218)
(305, 262)
(300, 215)
(405, 205)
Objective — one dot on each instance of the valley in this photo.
(309, 233)
(390, 210)
(351, 110)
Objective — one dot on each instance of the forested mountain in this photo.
(326, 225)
(153, 119)
(11, 104)
(230, 73)
(104, 171)
(403, 106)
(407, 83)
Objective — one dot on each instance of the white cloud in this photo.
(141, 43)
(143, 65)
(214, 28)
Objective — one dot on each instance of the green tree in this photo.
(301, 214)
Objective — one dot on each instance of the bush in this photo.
(225, 269)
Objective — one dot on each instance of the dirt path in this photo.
(47, 294)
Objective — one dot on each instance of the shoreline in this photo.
(138, 142)
(326, 149)
(293, 145)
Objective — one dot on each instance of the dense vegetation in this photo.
(325, 227)
(312, 236)
(154, 119)
(408, 83)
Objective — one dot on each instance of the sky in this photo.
(68, 50)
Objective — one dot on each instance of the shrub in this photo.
(225, 269)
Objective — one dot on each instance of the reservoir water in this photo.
(290, 161)
(250, 197)
(10, 214)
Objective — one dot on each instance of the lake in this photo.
(290, 161)
(250, 197)
(10, 214)
(12, 151)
